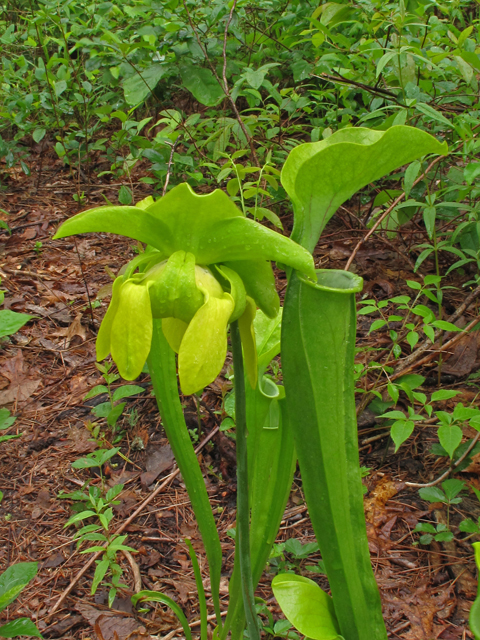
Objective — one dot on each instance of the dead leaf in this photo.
(159, 459)
(53, 561)
(109, 625)
(378, 498)
(21, 387)
(75, 329)
(464, 355)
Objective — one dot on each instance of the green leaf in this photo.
(445, 326)
(11, 321)
(39, 134)
(96, 391)
(100, 571)
(411, 175)
(126, 391)
(115, 414)
(443, 394)
(14, 579)
(306, 606)
(20, 627)
(452, 488)
(429, 111)
(137, 88)
(347, 161)
(450, 437)
(202, 84)
(429, 215)
(432, 494)
(78, 517)
(125, 195)
(401, 431)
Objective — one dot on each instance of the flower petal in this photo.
(131, 333)
(174, 330)
(104, 333)
(204, 345)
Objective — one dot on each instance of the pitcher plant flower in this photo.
(205, 266)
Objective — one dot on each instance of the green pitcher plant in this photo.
(318, 347)
(206, 267)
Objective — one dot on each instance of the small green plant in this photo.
(38, 247)
(6, 421)
(448, 495)
(112, 409)
(12, 583)
(98, 505)
(296, 554)
(11, 321)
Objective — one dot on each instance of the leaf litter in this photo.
(47, 369)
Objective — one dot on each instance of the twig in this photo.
(448, 471)
(223, 82)
(388, 212)
(169, 166)
(122, 527)
(137, 578)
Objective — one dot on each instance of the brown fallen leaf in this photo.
(159, 459)
(75, 329)
(21, 387)
(109, 625)
(462, 361)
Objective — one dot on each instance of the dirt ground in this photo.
(47, 368)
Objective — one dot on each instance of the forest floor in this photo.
(47, 368)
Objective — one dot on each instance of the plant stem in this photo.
(243, 512)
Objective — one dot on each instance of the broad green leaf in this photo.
(450, 437)
(14, 579)
(320, 176)
(452, 487)
(11, 321)
(138, 87)
(209, 226)
(126, 391)
(427, 110)
(20, 627)
(202, 84)
(39, 134)
(96, 391)
(432, 494)
(401, 431)
(306, 606)
(204, 345)
(429, 215)
(443, 394)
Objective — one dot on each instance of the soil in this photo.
(48, 367)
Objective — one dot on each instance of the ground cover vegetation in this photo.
(201, 120)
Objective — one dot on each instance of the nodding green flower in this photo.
(206, 265)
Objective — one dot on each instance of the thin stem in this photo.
(243, 514)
